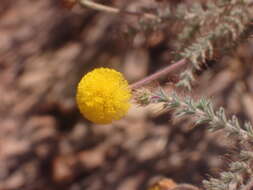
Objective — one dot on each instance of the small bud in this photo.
(143, 97)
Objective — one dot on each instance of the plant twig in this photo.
(158, 74)
(99, 7)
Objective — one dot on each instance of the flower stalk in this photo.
(157, 75)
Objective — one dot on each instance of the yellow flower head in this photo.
(103, 96)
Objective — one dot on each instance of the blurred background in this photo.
(45, 144)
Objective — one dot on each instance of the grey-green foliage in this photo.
(202, 112)
(217, 28)
(206, 32)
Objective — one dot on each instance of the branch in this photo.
(113, 10)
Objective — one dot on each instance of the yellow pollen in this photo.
(103, 95)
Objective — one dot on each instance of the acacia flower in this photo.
(103, 95)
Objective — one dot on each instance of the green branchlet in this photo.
(207, 32)
(221, 22)
(203, 113)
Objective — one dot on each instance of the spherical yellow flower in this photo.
(103, 95)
